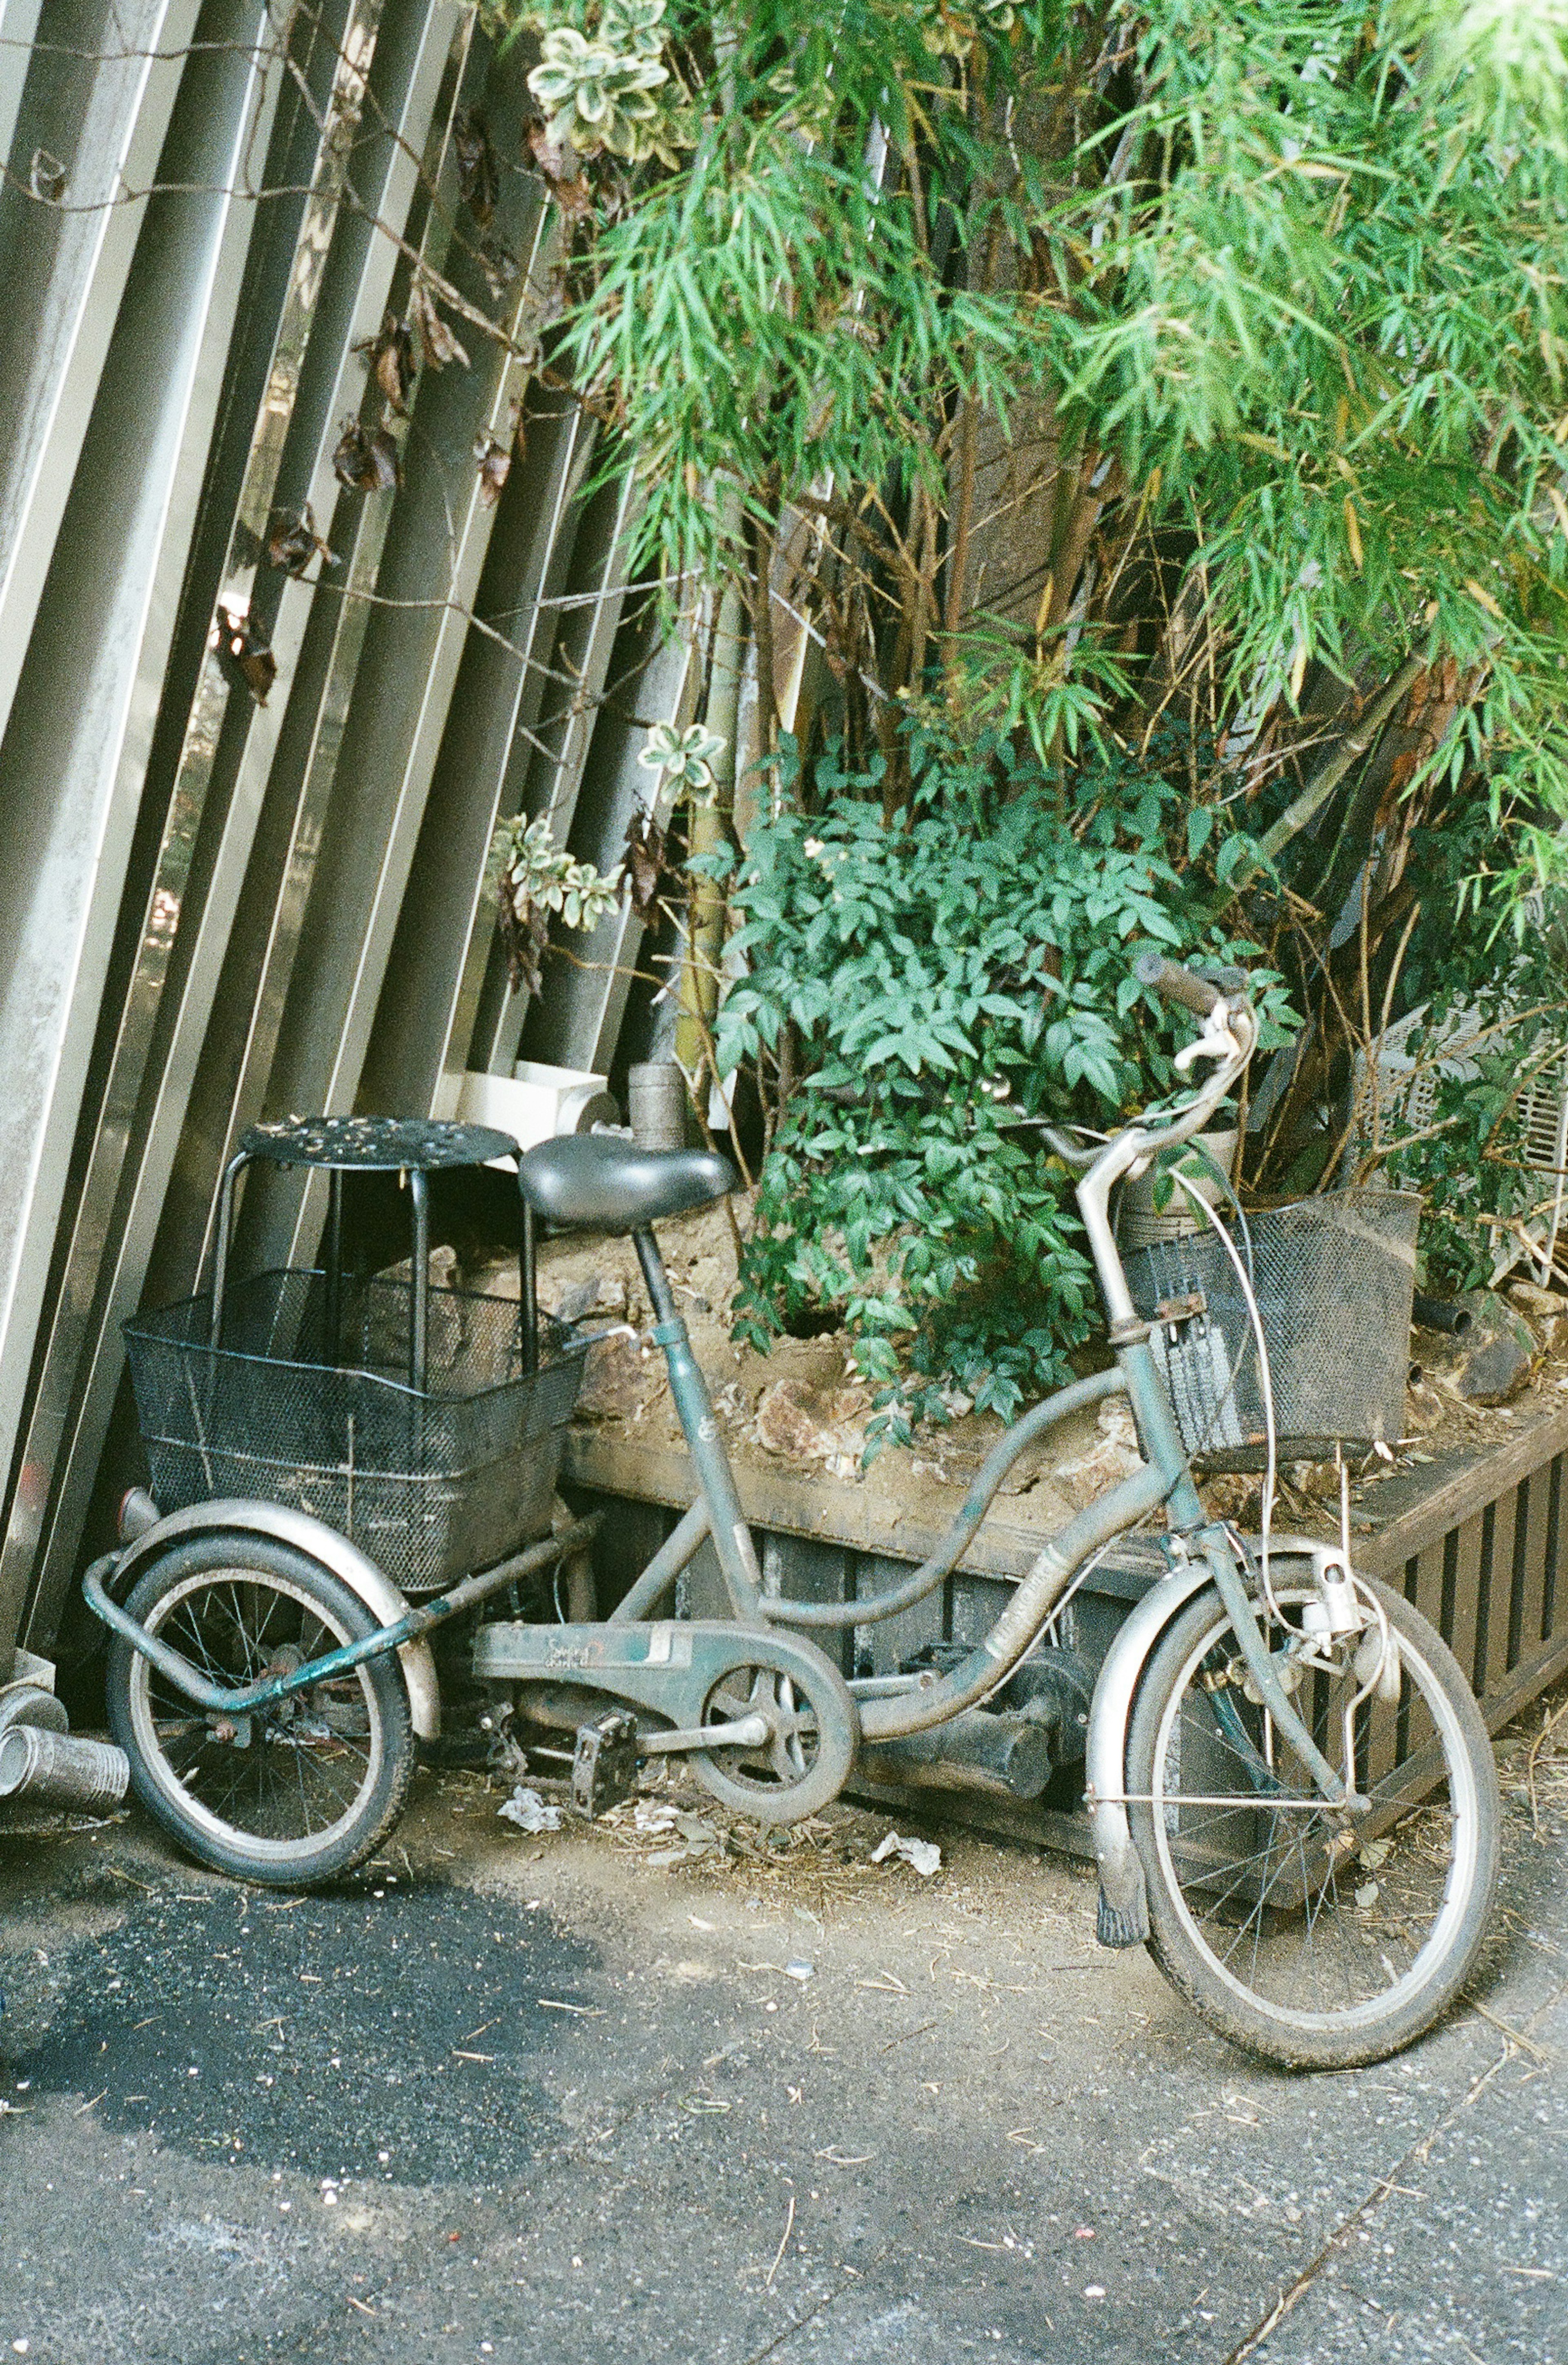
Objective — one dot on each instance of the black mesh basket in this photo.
(309, 1404)
(1333, 1278)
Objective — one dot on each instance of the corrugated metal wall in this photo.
(214, 908)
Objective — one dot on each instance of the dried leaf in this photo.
(392, 356)
(295, 543)
(495, 465)
(478, 180)
(46, 177)
(645, 861)
(367, 462)
(437, 342)
(560, 170)
(242, 645)
(499, 267)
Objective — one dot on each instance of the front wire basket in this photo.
(308, 1403)
(1334, 1278)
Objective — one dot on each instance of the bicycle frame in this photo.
(1200, 1551)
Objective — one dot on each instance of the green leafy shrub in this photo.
(939, 977)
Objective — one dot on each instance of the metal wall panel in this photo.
(221, 905)
(181, 933)
(81, 719)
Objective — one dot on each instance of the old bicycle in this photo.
(1293, 1796)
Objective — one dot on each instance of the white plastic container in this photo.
(535, 1102)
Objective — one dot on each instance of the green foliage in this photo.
(1334, 321)
(946, 976)
(1473, 1174)
(683, 761)
(1300, 269)
(1507, 59)
(536, 879)
(1281, 294)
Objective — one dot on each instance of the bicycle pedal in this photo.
(604, 1765)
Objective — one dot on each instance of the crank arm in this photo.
(746, 1733)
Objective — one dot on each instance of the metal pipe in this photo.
(674, 1554)
(1442, 1314)
(1002, 1752)
(59, 1771)
(975, 1504)
(715, 1479)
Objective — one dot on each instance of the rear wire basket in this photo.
(430, 1484)
(1334, 1278)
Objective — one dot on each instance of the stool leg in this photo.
(333, 1260)
(419, 1191)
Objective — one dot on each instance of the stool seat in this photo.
(376, 1144)
(599, 1182)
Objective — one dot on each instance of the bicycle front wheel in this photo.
(297, 1792)
(1310, 1938)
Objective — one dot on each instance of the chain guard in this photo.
(673, 1668)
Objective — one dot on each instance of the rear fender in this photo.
(320, 1543)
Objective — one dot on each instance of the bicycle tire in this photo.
(1347, 1973)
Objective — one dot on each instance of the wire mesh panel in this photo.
(305, 1400)
(1333, 1278)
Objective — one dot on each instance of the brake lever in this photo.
(1214, 1041)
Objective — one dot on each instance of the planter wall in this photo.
(1475, 1541)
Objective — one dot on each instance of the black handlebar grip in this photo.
(1175, 984)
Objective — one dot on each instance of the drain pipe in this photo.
(54, 1769)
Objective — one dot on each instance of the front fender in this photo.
(313, 1537)
(1123, 1918)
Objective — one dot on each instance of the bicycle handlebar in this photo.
(1175, 984)
(1203, 996)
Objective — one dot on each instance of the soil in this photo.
(801, 1406)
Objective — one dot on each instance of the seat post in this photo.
(715, 1479)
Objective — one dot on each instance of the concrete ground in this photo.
(548, 2098)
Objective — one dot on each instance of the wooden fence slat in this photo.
(1530, 1567)
(1551, 1592)
(1492, 1591)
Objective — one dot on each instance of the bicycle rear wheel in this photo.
(294, 1793)
(1312, 1941)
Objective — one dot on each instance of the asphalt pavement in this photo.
(607, 2094)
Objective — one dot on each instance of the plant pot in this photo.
(1139, 1223)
